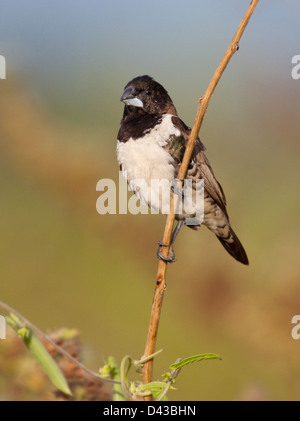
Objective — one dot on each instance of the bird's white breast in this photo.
(146, 159)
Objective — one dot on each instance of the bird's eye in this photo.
(148, 92)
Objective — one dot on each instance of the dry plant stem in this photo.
(162, 266)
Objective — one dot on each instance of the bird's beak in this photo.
(129, 97)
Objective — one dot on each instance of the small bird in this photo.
(151, 144)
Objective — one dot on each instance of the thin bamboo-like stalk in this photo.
(160, 285)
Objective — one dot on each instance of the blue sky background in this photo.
(89, 50)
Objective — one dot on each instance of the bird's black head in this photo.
(146, 94)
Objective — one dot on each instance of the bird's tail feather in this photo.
(235, 248)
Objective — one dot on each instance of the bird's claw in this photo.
(170, 258)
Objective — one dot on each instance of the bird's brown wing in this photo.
(199, 167)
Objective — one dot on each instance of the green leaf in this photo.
(152, 385)
(46, 361)
(156, 393)
(155, 388)
(194, 359)
(41, 354)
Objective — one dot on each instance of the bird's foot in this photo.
(170, 258)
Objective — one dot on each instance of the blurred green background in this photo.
(62, 264)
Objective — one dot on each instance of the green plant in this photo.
(123, 388)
